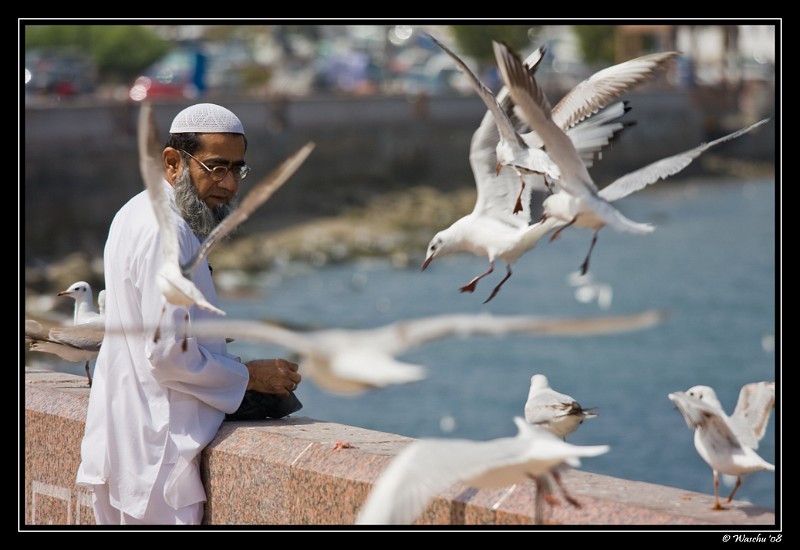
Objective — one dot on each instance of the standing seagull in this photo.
(558, 413)
(84, 315)
(174, 279)
(426, 467)
(578, 200)
(728, 443)
(350, 362)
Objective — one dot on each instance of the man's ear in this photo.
(173, 161)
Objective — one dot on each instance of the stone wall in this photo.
(291, 472)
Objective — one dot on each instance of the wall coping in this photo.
(291, 472)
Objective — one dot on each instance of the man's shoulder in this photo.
(136, 212)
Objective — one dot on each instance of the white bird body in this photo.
(349, 362)
(558, 413)
(427, 467)
(728, 443)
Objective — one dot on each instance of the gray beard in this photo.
(201, 218)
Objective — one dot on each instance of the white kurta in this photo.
(152, 403)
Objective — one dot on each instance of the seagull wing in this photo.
(257, 196)
(255, 331)
(752, 412)
(605, 86)
(402, 336)
(150, 166)
(530, 98)
(426, 467)
(664, 168)
(75, 344)
(501, 118)
(497, 192)
(702, 416)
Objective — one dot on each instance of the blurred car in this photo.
(58, 73)
(179, 74)
(191, 70)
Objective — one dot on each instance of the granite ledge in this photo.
(302, 471)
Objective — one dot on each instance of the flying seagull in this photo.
(350, 362)
(427, 467)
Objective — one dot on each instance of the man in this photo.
(154, 405)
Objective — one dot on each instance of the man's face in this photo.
(217, 150)
(202, 201)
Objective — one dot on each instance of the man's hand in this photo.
(276, 376)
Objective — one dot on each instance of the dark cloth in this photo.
(260, 406)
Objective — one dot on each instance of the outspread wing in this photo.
(662, 169)
(257, 196)
(752, 412)
(605, 86)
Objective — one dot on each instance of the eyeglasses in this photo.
(218, 173)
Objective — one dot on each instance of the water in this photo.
(711, 261)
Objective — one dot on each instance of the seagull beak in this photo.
(428, 260)
(499, 167)
(63, 293)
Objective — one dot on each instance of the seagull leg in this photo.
(547, 184)
(88, 374)
(518, 205)
(557, 233)
(157, 334)
(585, 264)
(185, 344)
(544, 494)
(569, 498)
(735, 488)
(717, 505)
(470, 286)
(497, 288)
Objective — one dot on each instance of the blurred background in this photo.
(134, 62)
(390, 113)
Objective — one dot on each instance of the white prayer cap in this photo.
(206, 118)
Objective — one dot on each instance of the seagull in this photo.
(427, 467)
(728, 443)
(76, 344)
(350, 362)
(558, 413)
(578, 200)
(493, 229)
(84, 315)
(174, 279)
(81, 292)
